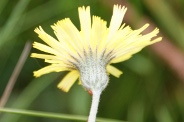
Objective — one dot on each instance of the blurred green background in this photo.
(150, 90)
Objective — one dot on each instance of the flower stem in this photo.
(94, 106)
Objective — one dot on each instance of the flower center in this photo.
(93, 71)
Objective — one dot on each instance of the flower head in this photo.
(89, 52)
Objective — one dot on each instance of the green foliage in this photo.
(148, 91)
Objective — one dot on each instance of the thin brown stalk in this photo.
(15, 74)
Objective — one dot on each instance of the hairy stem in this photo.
(94, 106)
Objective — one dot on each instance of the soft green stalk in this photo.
(164, 115)
(2, 5)
(42, 15)
(53, 115)
(12, 21)
(28, 95)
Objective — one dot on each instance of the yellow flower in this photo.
(89, 52)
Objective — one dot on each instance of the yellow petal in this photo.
(116, 20)
(80, 82)
(67, 82)
(48, 39)
(58, 55)
(45, 56)
(50, 68)
(114, 71)
(133, 43)
(156, 40)
(121, 58)
(45, 48)
(85, 22)
(119, 37)
(68, 35)
(98, 34)
(131, 38)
